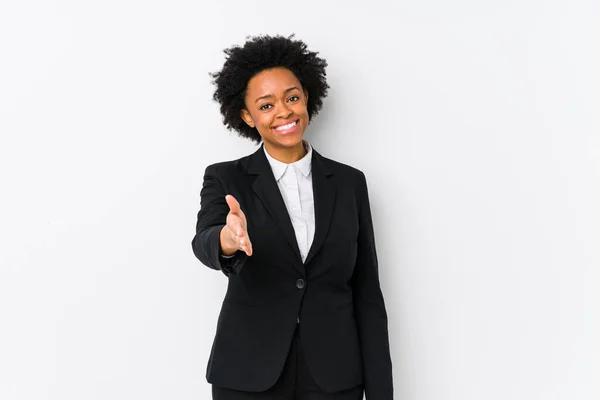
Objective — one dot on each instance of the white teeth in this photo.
(284, 127)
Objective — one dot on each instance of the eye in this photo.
(264, 106)
(296, 98)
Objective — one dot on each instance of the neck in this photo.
(286, 155)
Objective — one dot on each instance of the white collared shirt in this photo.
(295, 184)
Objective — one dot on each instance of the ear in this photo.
(306, 96)
(245, 114)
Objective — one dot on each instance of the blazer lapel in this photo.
(265, 187)
(324, 197)
(268, 192)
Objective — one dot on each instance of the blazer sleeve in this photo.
(369, 307)
(212, 217)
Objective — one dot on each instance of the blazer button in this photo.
(300, 283)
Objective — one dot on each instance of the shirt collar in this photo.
(303, 165)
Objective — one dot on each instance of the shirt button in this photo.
(300, 283)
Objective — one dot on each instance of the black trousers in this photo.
(295, 383)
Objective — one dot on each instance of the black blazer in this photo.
(335, 293)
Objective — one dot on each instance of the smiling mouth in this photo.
(287, 127)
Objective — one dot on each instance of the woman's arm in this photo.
(369, 307)
(212, 218)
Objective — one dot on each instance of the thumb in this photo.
(234, 206)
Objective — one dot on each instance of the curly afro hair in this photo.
(261, 53)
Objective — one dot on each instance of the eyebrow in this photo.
(270, 95)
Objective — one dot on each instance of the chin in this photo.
(290, 140)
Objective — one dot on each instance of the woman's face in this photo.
(276, 106)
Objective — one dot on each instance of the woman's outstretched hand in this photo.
(234, 235)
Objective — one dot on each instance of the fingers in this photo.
(246, 245)
(236, 225)
(238, 228)
(241, 239)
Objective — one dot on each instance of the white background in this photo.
(476, 123)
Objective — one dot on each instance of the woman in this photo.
(303, 316)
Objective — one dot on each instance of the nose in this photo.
(284, 111)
